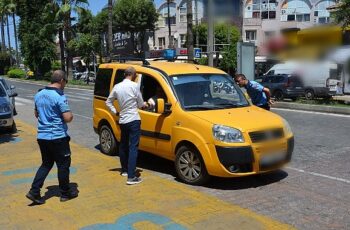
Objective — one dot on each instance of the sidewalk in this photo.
(105, 201)
(314, 108)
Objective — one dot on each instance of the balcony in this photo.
(252, 21)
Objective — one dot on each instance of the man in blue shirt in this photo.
(53, 114)
(259, 94)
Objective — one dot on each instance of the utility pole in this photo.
(210, 33)
(197, 32)
(169, 26)
(110, 28)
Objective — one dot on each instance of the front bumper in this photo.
(247, 160)
(6, 120)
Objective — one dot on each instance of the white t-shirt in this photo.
(129, 98)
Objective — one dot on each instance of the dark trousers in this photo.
(53, 151)
(265, 106)
(128, 149)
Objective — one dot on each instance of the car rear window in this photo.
(103, 82)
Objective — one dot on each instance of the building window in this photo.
(161, 42)
(295, 10)
(183, 40)
(321, 13)
(163, 12)
(264, 9)
(250, 35)
(183, 13)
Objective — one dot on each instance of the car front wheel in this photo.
(108, 142)
(190, 167)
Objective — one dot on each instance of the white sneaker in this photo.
(135, 180)
(124, 174)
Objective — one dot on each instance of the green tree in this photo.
(226, 38)
(135, 17)
(11, 7)
(342, 13)
(3, 12)
(37, 34)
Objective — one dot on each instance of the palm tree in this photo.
(110, 30)
(63, 15)
(189, 30)
(2, 14)
(11, 9)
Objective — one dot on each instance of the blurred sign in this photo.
(197, 52)
(169, 54)
(245, 59)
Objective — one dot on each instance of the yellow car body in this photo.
(204, 139)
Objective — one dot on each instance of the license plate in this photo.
(272, 158)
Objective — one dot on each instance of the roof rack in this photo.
(125, 59)
(176, 59)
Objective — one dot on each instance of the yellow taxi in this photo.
(203, 122)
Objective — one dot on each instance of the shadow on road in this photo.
(160, 165)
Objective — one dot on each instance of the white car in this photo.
(6, 110)
(11, 92)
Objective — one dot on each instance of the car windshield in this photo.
(2, 91)
(208, 92)
(4, 83)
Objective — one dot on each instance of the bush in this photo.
(16, 73)
(55, 65)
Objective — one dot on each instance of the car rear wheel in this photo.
(13, 128)
(278, 95)
(309, 94)
(190, 167)
(108, 142)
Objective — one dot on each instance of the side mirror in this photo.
(13, 95)
(12, 87)
(162, 107)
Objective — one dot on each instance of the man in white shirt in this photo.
(129, 98)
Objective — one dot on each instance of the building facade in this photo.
(263, 19)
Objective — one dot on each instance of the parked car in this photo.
(10, 91)
(6, 110)
(283, 86)
(204, 131)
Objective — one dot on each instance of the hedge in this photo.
(16, 73)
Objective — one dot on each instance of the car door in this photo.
(156, 129)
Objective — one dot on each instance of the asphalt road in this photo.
(313, 192)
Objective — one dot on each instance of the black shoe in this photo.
(37, 199)
(69, 196)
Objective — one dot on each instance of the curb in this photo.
(315, 108)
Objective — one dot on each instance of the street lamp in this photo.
(169, 26)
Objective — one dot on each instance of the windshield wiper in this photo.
(231, 105)
(203, 107)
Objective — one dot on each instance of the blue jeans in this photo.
(53, 151)
(128, 149)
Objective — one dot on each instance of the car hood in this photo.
(244, 119)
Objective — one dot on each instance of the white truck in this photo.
(320, 79)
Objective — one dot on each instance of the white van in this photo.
(320, 79)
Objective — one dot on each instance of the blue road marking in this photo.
(126, 222)
(25, 180)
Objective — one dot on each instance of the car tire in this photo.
(13, 128)
(278, 95)
(309, 94)
(190, 166)
(108, 143)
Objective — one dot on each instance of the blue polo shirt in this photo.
(50, 103)
(256, 93)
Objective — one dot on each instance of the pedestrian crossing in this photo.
(71, 97)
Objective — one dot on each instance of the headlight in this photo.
(5, 108)
(227, 134)
(287, 127)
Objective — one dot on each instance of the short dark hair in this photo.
(240, 75)
(130, 71)
(57, 76)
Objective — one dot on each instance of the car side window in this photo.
(151, 88)
(268, 79)
(103, 82)
(119, 76)
(278, 79)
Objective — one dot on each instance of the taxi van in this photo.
(205, 131)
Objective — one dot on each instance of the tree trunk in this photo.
(16, 41)
(3, 45)
(8, 38)
(189, 30)
(67, 33)
(61, 41)
(110, 28)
